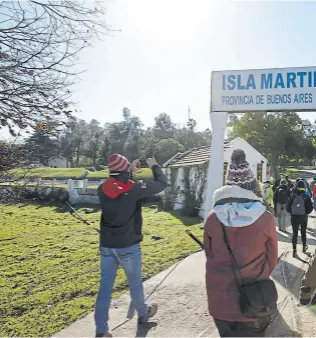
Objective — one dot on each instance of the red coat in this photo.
(255, 248)
(314, 191)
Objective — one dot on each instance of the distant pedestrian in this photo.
(121, 234)
(275, 185)
(308, 190)
(280, 199)
(268, 193)
(294, 188)
(314, 193)
(299, 206)
(305, 181)
(290, 185)
(240, 244)
(312, 185)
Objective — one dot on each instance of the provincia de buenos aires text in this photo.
(268, 82)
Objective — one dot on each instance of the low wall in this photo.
(79, 192)
(78, 198)
(78, 189)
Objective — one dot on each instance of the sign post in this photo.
(216, 167)
(267, 90)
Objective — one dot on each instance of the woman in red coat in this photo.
(251, 233)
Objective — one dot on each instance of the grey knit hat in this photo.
(239, 172)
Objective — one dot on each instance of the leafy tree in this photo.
(190, 138)
(66, 140)
(124, 136)
(80, 136)
(191, 124)
(94, 136)
(105, 149)
(275, 135)
(132, 127)
(164, 127)
(308, 141)
(166, 148)
(43, 145)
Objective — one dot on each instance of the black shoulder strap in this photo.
(236, 269)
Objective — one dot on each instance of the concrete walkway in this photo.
(183, 305)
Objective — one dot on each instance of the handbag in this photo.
(257, 299)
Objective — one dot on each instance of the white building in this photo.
(187, 173)
(58, 162)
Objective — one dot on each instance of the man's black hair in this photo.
(122, 176)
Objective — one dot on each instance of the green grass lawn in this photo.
(49, 264)
(73, 173)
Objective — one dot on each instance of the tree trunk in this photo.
(78, 155)
(274, 165)
(94, 158)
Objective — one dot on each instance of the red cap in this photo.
(117, 162)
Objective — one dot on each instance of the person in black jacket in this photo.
(290, 185)
(276, 185)
(280, 198)
(121, 233)
(299, 206)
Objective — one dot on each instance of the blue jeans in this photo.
(130, 260)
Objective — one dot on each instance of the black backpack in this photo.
(283, 195)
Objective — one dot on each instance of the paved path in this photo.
(183, 305)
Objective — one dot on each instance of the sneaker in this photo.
(305, 248)
(152, 309)
(106, 334)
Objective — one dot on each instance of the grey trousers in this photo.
(282, 215)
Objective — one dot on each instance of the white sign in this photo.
(264, 90)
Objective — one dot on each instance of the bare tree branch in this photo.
(17, 156)
(39, 45)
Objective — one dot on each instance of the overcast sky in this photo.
(162, 59)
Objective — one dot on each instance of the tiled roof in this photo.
(172, 159)
(195, 156)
